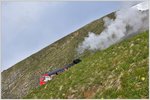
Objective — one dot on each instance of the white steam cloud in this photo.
(128, 22)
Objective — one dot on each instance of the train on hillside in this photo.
(48, 76)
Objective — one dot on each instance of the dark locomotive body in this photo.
(48, 76)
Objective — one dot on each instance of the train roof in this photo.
(55, 71)
(67, 66)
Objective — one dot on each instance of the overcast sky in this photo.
(27, 27)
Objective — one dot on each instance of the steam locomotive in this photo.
(48, 76)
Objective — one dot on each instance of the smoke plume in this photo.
(127, 22)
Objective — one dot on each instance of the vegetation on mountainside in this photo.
(23, 76)
(121, 71)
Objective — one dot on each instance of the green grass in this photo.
(19, 79)
(121, 71)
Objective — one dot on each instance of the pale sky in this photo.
(27, 27)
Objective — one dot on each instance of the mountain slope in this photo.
(121, 71)
(20, 78)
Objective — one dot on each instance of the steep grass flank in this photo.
(23, 76)
(121, 71)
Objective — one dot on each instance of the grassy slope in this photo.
(121, 71)
(20, 78)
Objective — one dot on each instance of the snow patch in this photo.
(142, 6)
